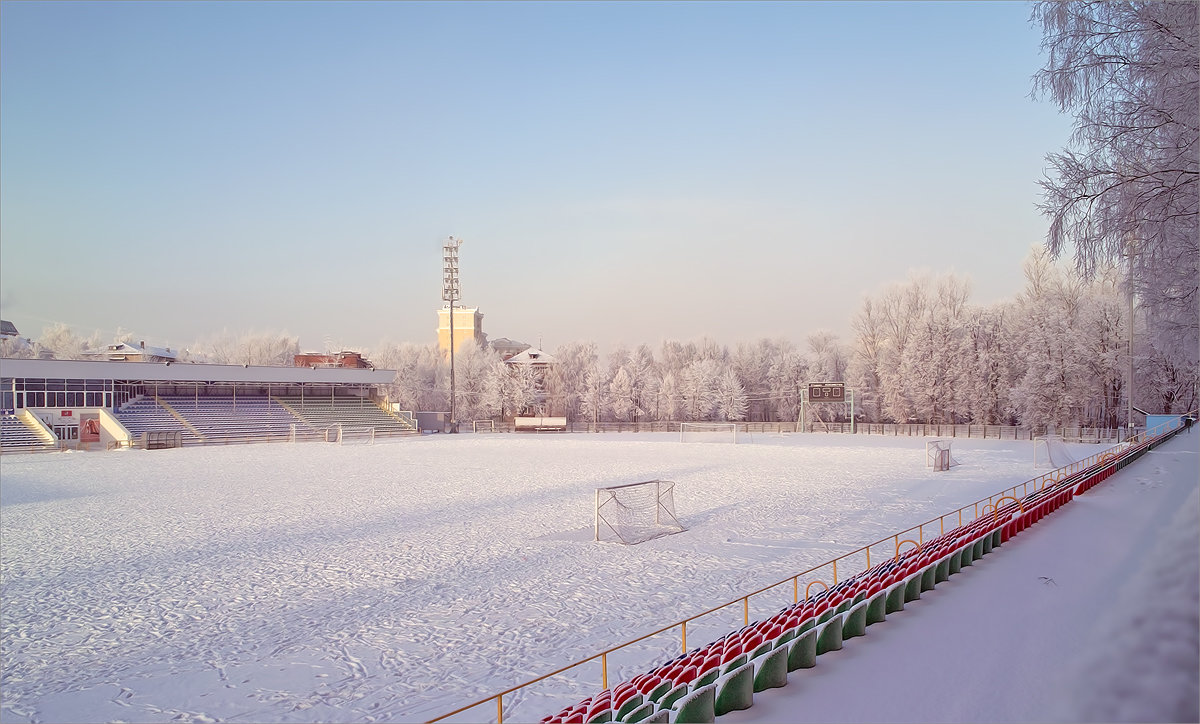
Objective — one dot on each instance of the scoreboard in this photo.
(827, 392)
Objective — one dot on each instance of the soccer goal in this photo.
(636, 512)
(483, 426)
(708, 432)
(938, 455)
(355, 435)
(1049, 451)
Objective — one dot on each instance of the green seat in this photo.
(785, 637)
(657, 693)
(735, 690)
(734, 663)
(829, 636)
(912, 587)
(855, 621)
(707, 677)
(761, 649)
(802, 654)
(632, 703)
(877, 608)
(771, 671)
(638, 713)
(942, 570)
(895, 597)
(697, 706)
(672, 696)
(929, 577)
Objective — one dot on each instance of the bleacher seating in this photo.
(17, 436)
(323, 413)
(224, 419)
(144, 414)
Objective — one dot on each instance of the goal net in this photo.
(636, 512)
(938, 455)
(708, 432)
(355, 435)
(1050, 451)
(483, 426)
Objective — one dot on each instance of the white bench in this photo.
(540, 424)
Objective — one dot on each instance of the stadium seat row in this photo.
(724, 675)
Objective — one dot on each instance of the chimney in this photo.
(143, 344)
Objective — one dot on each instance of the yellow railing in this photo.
(892, 547)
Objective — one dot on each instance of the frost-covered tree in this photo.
(621, 396)
(643, 378)
(1051, 389)
(698, 386)
(594, 400)
(669, 398)
(863, 373)
(60, 342)
(902, 307)
(514, 389)
(731, 402)
(565, 381)
(985, 352)
(418, 371)
(1104, 321)
(475, 373)
(16, 348)
(277, 349)
(827, 358)
(1128, 185)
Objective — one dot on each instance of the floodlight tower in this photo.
(450, 294)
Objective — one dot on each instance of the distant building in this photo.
(8, 330)
(468, 325)
(539, 363)
(352, 360)
(533, 357)
(507, 348)
(126, 352)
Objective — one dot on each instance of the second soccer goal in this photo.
(636, 512)
(708, 432)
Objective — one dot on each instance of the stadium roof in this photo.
(186, 372)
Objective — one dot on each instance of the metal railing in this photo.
(885, 549)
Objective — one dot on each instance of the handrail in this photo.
(1066, 473)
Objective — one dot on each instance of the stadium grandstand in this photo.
(85, 404)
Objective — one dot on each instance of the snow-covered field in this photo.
(397, 581)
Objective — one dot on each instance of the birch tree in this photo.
(1128, 185)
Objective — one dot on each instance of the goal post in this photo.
(1049, 451)
(349, 435)
(483, 426)
(708, 432)
(636, 512)
(938, 455)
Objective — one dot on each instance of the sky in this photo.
(619, 172)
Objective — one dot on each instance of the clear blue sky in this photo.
(621, 172)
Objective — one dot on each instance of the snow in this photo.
(398, 581)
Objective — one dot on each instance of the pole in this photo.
(450, 294)
(1129, 290)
